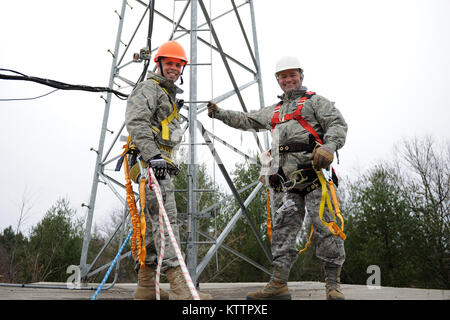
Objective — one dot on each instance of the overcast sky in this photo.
(384, 63)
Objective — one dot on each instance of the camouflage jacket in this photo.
(319, 112)
(147, 106)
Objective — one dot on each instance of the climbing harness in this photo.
(281, 182)
(163, 218)
(166, 121)
(295, 115)
(296, 177)
(135, 163)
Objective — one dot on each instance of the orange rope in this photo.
(138, 237)
(269, 219)
(309, 240)
(336, 207)
(143, 225)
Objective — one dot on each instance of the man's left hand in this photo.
(322, 158)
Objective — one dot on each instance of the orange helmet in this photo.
(171, 49)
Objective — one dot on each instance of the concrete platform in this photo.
(219, 291)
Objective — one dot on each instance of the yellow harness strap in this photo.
(166, 121)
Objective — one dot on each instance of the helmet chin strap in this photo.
(181, 74)
(160, 67)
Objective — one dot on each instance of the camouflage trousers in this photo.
(152, 235)
(287, 220)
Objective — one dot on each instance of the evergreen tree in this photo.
(12, 251)
(380, 229)
(54, 244)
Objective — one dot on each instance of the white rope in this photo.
(152, 181)
(162, 249)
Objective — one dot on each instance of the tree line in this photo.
(396, 217)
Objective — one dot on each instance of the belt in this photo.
(296, 147)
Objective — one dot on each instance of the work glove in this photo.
(322, 157)
(212, 109)
(275, 182)
(159, 166)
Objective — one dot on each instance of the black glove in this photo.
(159, 166)
(275, 182)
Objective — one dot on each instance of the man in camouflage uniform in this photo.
(294, 147)
(152, 120)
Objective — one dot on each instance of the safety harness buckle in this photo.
(335, 230)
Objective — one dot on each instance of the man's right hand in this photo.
(212, 109)
(159, 166)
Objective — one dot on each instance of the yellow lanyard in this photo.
(332, 226)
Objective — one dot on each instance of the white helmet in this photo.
(286, 63)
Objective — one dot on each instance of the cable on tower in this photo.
(58, 84)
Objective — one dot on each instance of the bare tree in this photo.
(428, 174)
(25, 207)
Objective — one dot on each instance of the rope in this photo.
(309, 241)
(138, 239)
(152, 181)
(111, 266)
(161, 251)
(269, 219)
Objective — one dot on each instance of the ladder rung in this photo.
(196, 144)
(195, 190)
(200, 64)
(180, 30)
(193, 102)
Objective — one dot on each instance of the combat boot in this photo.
(276, 289)
(146, 286)
(179, 287)
(333, 282)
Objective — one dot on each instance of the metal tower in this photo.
(231, 23)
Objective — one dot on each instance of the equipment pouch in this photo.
(266, 166)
